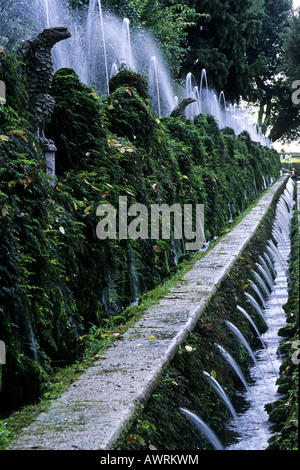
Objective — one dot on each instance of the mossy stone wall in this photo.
(58, 279)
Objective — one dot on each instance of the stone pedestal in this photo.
(50, 149)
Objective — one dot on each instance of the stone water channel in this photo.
(94, 412)
(252, 426)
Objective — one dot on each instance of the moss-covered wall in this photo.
(57, 278)
(160, 424)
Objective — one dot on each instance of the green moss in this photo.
(128, 78)
(54, 269)
(160, 423)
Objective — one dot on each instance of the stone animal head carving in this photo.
(55, 34)
(179, 111)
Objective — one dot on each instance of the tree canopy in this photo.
(286, 118)
(249, 48)
(219, 43)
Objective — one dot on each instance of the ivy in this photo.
(57, 277)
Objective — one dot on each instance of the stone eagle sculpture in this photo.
(179, 111)
(35, 56)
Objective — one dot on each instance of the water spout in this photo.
(128, 57)
(261, 282)
(202, 99)
(267, 269)
(233, 364)
(154, 85)
(104, 45)
(242, 339)
(47, 14)
(257, 291)
(256, 306)
(267, 277)
(217, 387)
(246, 315)
(270, 264)
(204, 428)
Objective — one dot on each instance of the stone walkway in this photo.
(102, 403)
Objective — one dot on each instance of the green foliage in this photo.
(285, 412)
(37, 309)
(15, 20)
(219, 43)
(285, 114)
(159, 423)
(270, 54)
(129, 116)
(16, 95)
(76, 121)
(167, 20)
(129, 78)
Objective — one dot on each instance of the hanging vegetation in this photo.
(57, 278)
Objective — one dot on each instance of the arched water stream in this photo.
(250, 429)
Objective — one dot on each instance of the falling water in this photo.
(254, 422)
(204, 428)
(104, 45)
(133, 276)
(261, 282)
(257, 291)
(234, 365)
(258, 334)
(267, 269)
(175, 251)
(154, 85)
(222, 98)
(241, 338)
(32, 341)
(230, 213)
(267, 277)
(246, 315)
(217, 387)
(127, 44)
(255, 305)
(270, 264)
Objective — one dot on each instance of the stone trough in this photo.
(102, 403)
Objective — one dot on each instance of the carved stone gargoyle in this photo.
(37, 66)
(179, 111)
(35, 55)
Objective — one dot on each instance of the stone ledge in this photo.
(102, 403)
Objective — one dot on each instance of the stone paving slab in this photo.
(102, 403)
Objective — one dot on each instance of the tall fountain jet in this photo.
(104, 45)
(128, 57)
(101, 41)
(154, 85)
